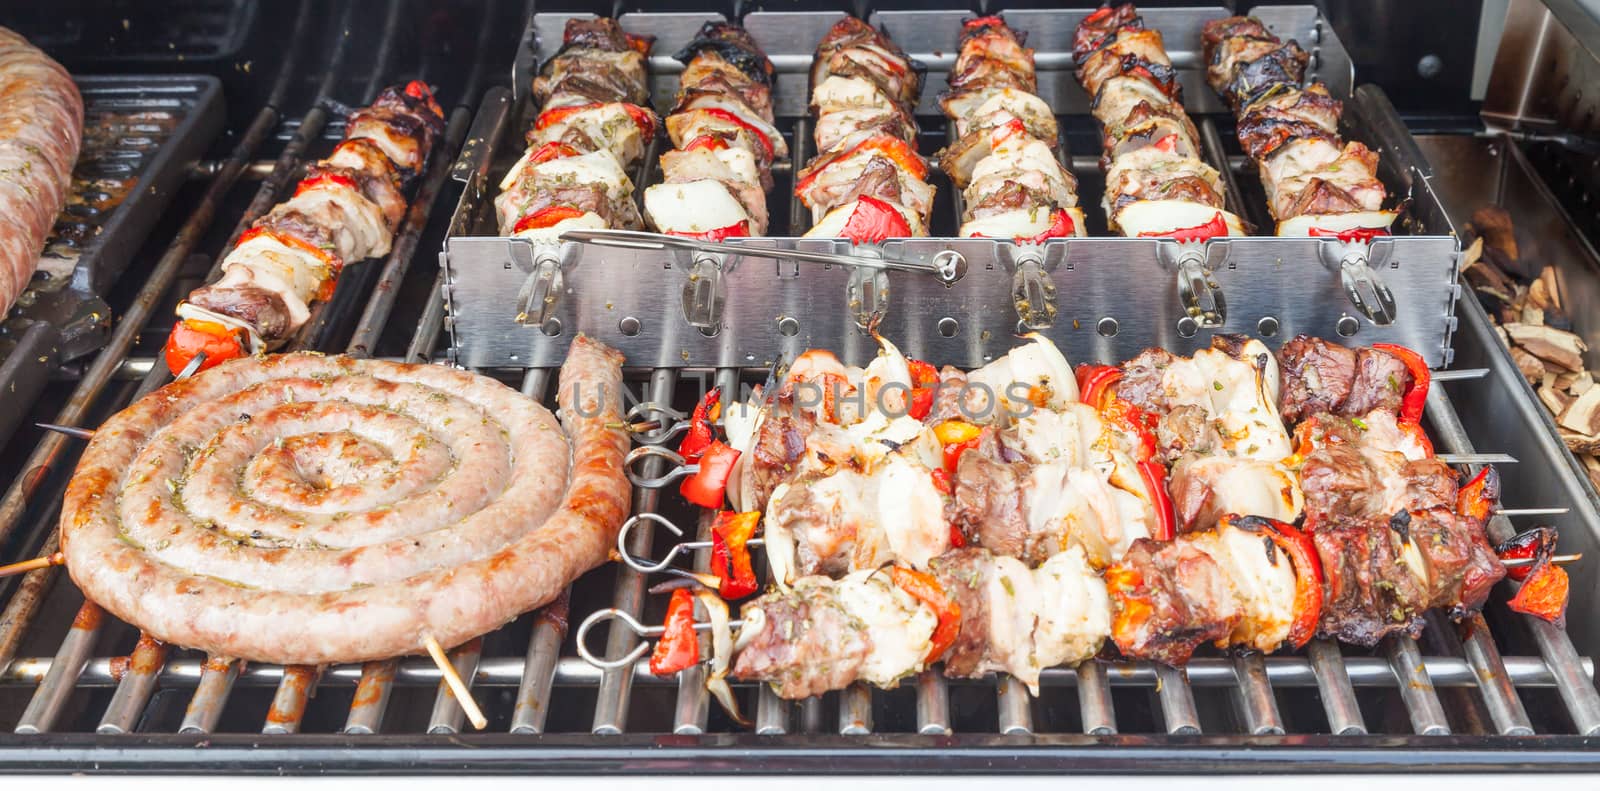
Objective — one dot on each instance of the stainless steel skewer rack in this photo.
(512, 303)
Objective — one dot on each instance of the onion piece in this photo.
(721, 654)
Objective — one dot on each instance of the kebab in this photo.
(1156, 183)
(715, 180)
(346, 209)
(593, 125)
(1013, 186)
(1316, 185)
(1397, 532)
(867, 183)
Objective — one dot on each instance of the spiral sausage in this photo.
(304, 509)
(41, 129)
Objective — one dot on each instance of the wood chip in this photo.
(1576, 384)
(1563, 349)
(1583, 415)
(1493, 225)
(1578, 443)
(1532, 368)
(1554, 400)
(1532, 315)
(1552, 288)
(1537, 298)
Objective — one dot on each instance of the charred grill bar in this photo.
(1520, 681)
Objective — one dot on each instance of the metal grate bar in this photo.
(1177, 699)
(1416, 686)
(1333, 686)
(289, 705)
(372, 697)
(1016, 706)
(799, 152)
(1094, 699)
(933, 704)
(1256, 702)
(1217, 157)
(1499, 696)
(447, 712)
(855, 710)
(611, 705)
(1555, 645)
(211, 695)
(135, 688)
(772, 712)
(1286, 672)
(42, 711)
(549, 625)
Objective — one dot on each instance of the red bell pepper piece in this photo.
(733, 118)
(873, 221)
(730, 555)
(1307, 565)
(325, 179)
(740, 228)
(699, 437)
(708, 487)
(1527, 545)
(953, 451)
(924, 588)
(708, 142)
(1545, 587)
(943, 482)
(1130, 603)
(1167, 144)
(552, 150)
(1199, 233)
(679, 646)
(1545, 593)
(921, 403)
(1351, 235)
(418, 89)
(1095, 383)
(1154, 476)
(190, 337)
(546, 217)
(923, 373)
(1477, 498)
(1416, 396)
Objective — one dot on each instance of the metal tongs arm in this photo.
(949, 266)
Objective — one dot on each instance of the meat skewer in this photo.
(1316, 184)
(1013, 185)
(594, 124)
(714, 183)
(1156, 182)
(867, 183)
(345, 210)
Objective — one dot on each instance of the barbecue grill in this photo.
(80, 690)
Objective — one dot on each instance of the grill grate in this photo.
(1509, 676)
